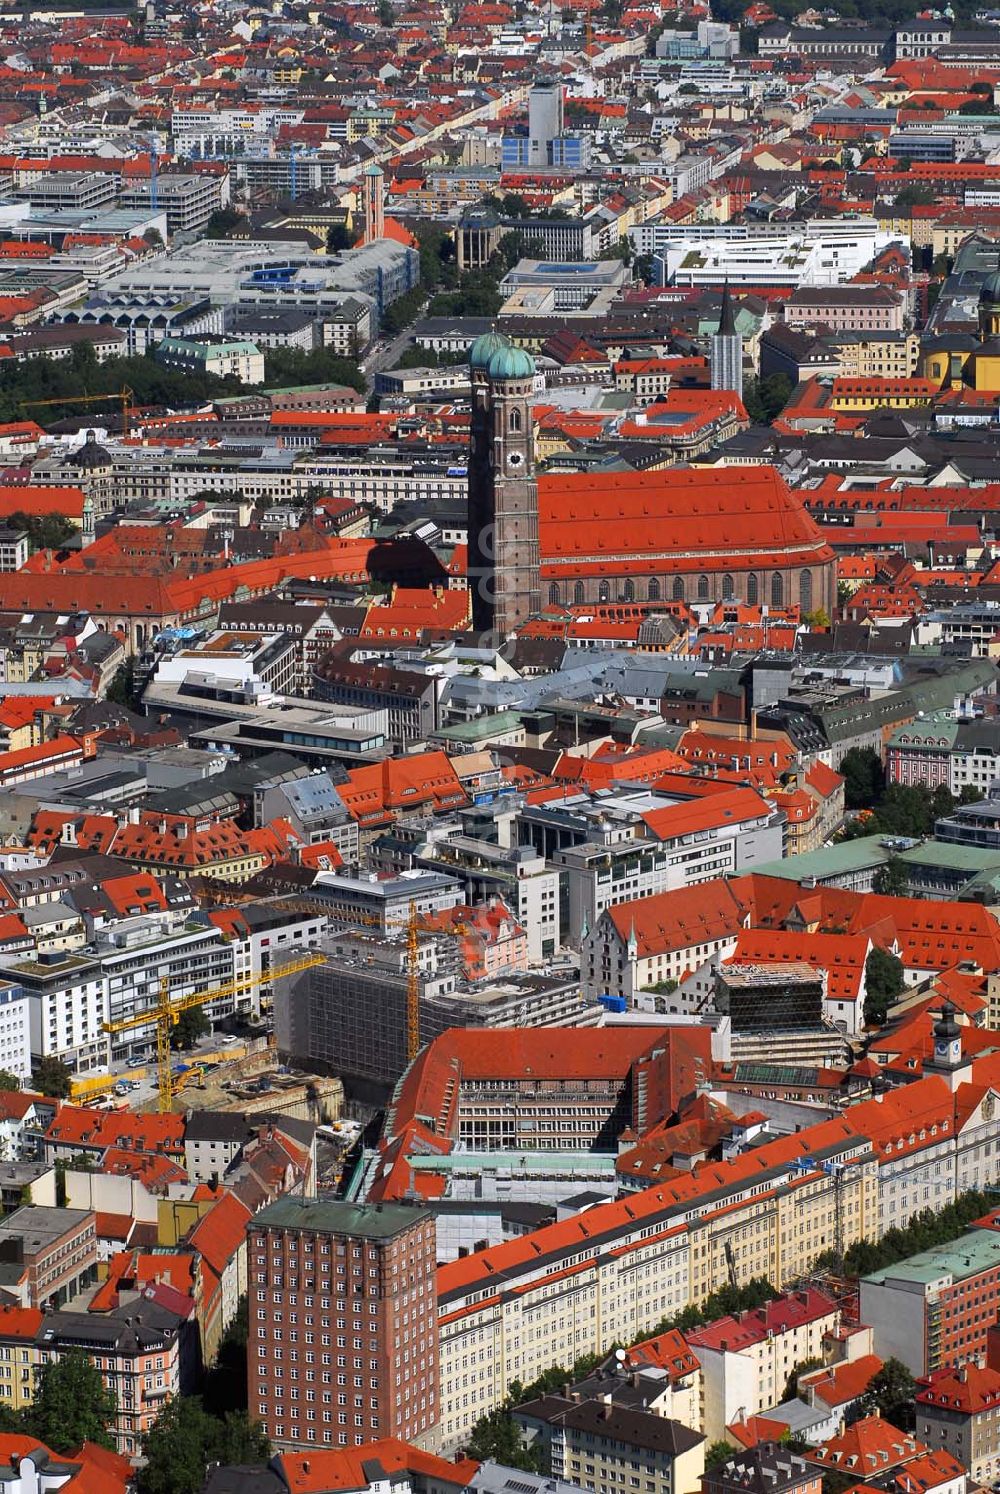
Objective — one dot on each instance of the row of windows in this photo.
(702, 590)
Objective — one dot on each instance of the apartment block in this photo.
(601, 1446)
(616, 1271)
(958, 1410)
(934, 1309)
(49, 1254)
(343, 1344)
(146, 1354)
(746, 1360)
(768, 1466)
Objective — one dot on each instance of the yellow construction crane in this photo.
(164, 1015)
(123, 396)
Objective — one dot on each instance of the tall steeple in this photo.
(726, 355)
(503, 568)
(727, 316)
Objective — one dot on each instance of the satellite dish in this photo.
(620, 1355)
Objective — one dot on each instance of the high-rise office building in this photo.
(343, 1343)
(545, 121)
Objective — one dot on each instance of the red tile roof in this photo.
(320, 1471)
(781, 1315)
(966, 1391)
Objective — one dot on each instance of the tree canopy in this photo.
(44, 531)
(52, 1077)
(884, 983)
(890, 1395)
(189, 1027)
(184, 1439)
(72, 1405)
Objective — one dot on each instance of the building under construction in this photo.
(774, 1013)
(348, 1015)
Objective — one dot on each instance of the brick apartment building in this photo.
(935, 1309)
(343, 1345)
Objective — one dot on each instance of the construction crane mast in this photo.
(165, 1014)
(414, 927)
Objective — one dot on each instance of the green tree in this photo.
(72, 1405)
(884, 982)
(496, 1435)
(864, 778)
(8, 1081)
(120, 688)
(916, 194)
(802, 1368)
(51, 1077)
(338, 238)
(45, 531)
(222, 222)
(418, 357)
(185, 1438)
(891, 1394)
(764, 399)
(290, 366)
(191, 1025)
(404, 310)
(717, 1453)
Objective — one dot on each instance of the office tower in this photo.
(545, 121)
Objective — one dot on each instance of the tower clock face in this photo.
(515, 459)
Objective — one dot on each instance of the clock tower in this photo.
(503, 495)
(948, 1060)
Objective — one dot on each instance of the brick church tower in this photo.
(503, 495)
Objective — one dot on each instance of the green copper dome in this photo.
(484, 347)
(511, 363)
(990, 292)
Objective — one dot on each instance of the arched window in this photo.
(777, 590)
(806, 591)
(727, 588)
(703, 588)
(604, 592)
(654, 589)
(678, 589)
(514, 423)
(628, 592)
(578, 592)
(752, 591)
(554, 594)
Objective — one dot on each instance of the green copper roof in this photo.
(484, 347)
(511, 363)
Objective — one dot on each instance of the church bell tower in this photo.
(503, 495)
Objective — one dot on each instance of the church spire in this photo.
(727, 316)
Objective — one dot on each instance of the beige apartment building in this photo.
(615, 1272)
